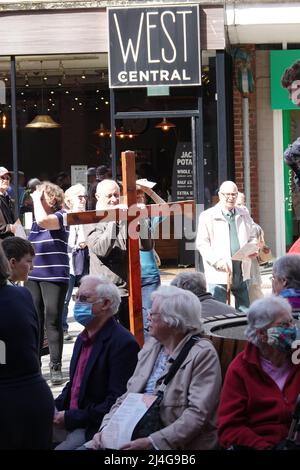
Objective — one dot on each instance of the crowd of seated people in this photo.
(252, 409)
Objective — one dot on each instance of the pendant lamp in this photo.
(42, 121)
(165, 125)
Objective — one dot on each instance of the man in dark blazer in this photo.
(103, 359)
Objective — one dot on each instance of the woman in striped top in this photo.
(48, 281)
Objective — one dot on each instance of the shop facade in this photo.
(54, 61)
(268, 33)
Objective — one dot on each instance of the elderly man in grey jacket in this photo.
(222, 231)
(107, 243)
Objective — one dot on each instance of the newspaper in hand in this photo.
(248, 249)
(146, 183)
(120, 427)
(19, 230)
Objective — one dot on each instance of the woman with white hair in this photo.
(286, 280)
(188, 408)
(75, 201)
(263, 382)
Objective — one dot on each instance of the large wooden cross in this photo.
(132, 214)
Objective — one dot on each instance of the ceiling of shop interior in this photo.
(33, 68)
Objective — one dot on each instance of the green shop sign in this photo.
(279, 62)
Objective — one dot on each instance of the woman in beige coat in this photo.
(188, 409)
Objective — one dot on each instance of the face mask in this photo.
(281, 338)
(83, 313)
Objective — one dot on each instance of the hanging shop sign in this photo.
(154, 46)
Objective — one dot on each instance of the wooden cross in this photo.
(132, 214)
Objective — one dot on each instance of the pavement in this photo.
(167, 274)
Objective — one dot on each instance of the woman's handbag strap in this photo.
(179, 359)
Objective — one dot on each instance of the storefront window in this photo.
(61, 102)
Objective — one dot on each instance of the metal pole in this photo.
(222, 100)
(197, 130)
(14, 133)
(113, 135)
(247, 181)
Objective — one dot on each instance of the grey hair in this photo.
(71, 192)
(194, 282)
(287, 267)
(105, 289)
(179, 308)
(262, 313)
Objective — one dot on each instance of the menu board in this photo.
(78, 174)
(183, 189)
(182, 181)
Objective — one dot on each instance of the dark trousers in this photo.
(48, 299)
(73, 281)
(241, 295)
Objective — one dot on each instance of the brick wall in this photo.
(238, 138)
(265, 149)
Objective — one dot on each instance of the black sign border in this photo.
(143, 7)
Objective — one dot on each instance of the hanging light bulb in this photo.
(125, 134)
(102, 132)
(121, 133)
(4, 121)
(165, 125)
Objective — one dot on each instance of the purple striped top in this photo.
(51, 261)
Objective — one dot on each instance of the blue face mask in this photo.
(83, 313)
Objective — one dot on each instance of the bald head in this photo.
(227, 195)
(107, 194)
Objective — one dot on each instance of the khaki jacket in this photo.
(189, 406)
(213, 241)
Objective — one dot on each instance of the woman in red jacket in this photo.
(262, 383)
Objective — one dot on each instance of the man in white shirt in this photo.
(222, 231)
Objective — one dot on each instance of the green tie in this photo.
(234, 241)
(236, 277)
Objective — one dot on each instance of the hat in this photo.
(91, 171)
(3, 171)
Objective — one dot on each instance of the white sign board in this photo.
(78, 174)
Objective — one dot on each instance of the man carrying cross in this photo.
(107, 242)
(132, 213)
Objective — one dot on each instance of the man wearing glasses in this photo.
(222, 231)
(7, 218)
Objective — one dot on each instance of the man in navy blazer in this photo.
(103, 359)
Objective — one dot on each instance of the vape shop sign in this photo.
(150, 46)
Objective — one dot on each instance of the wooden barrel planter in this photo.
(226, 334)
